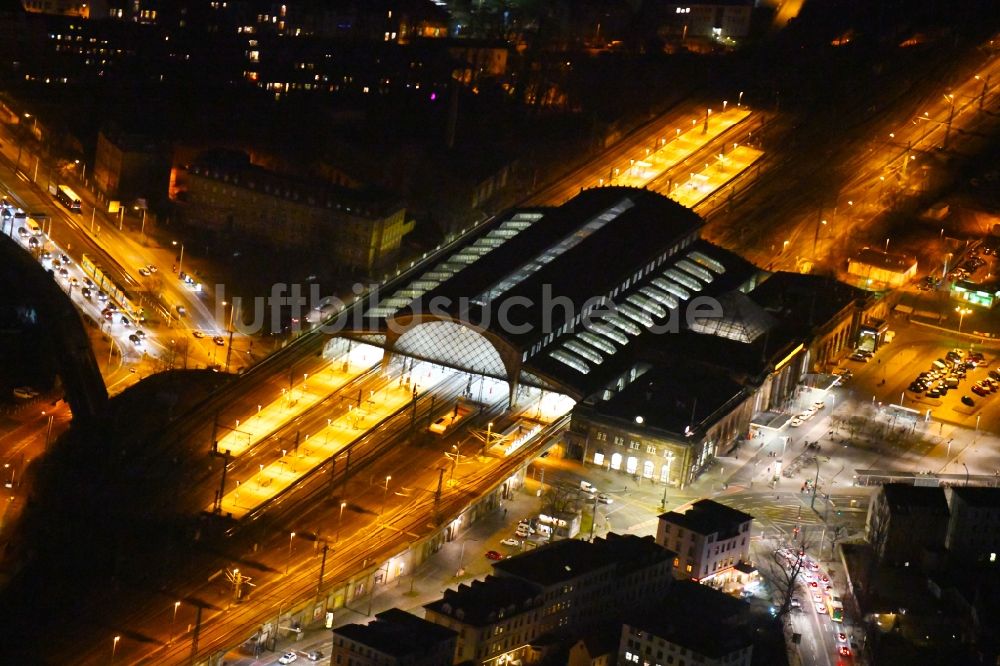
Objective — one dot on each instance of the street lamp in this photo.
(961, 315)
(180, 262)
(340, 520)
(114, 648)
(177, 605)
(288, 560)
(142, 229)
(385, 492)
(966, 473)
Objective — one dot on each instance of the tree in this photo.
(782, 571)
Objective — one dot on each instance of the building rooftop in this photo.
(905, 498)
(699, 618)
(398, 633)
(680, 396)
(708, 517)
(235, 168)
(566, 298)
(978, 496)
(560, 561)
(897, 263)
(805, 299)
(483, 601)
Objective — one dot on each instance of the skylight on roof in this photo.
(648, 305)
(665, 299)
(584, 351)
(597, 342)
(571, 360)
(707, 261)
(565, 245)
(683, 278)
(672, 288)
(695, 270)
(622, 324)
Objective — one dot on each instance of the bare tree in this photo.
(782, 570)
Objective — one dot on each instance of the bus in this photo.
(835, 608)
(68, 198)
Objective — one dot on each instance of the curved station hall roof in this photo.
(566, 298)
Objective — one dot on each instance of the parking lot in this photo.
(928, 369)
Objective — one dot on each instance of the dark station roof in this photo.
(572, 296)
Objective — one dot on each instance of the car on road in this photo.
(859, 358)
(152, 268)
(143, 271)
(85, 292)
(135, 339)
(966, 400)
(841, 637)
(844, 373)
(102, 295)
(510, 541)
(63, 273)
(821, 609)
(796, 603)
(604, 499)
(181, 310)
(219, 340)
(125, 321)
(844, 651)
(493, 555)
(315, 655)
(198, 334)
(813, 583)
(796, 421)
(64, 258)
(22, 232)
(287, 658)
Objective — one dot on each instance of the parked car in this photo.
(219, 340)
(979, 390)
(604, 499)
(198, 334)
(526, 526)
(287, 658)
(493, 555)
(858, 358)
(315, 655)
(966, 400)
(25, 393)
(510, 541)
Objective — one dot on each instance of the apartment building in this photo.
(710, 540)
